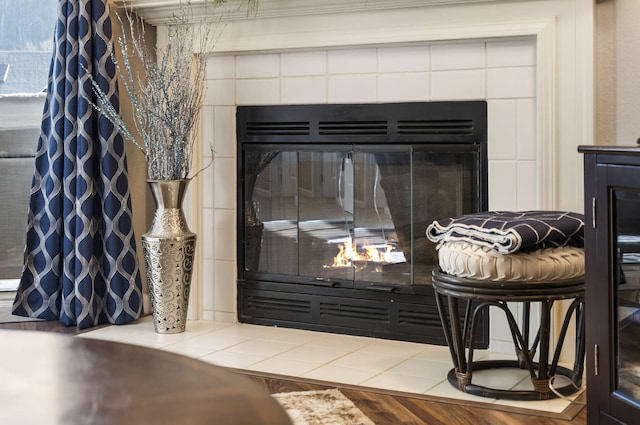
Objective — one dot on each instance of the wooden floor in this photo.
(388, 408)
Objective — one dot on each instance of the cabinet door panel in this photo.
(619, 207)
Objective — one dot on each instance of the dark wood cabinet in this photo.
(612, 255)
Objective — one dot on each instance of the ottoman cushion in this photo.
(472, 261)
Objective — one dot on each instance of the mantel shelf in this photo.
(159, 12)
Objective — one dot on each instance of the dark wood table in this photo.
(48, 378)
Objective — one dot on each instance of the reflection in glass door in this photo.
(382, 238)
(352, 215)
(326, 219)
(627, 293)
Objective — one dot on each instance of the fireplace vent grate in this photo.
(351, 128)
(406, 123)
(300, 128)
(403, 316)
(450, 127)
(343, 310)
(408, 317)
(274, 304)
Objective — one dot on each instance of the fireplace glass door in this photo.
(351, 215)
(334, 201)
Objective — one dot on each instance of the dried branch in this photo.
(166, 89)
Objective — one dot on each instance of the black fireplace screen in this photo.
(340, 196)
(352, 215)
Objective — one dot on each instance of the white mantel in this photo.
(158, 12)
(564, 90)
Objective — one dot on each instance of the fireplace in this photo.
(334, 201)
(533, 65)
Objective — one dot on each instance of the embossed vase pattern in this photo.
(169, 247)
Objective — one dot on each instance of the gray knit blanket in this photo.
(509, 232)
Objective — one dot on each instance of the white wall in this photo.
(618, 67)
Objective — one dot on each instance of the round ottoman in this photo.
(481, 278)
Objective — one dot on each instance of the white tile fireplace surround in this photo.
(531, 60)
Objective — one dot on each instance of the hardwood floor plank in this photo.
(388, 408)
(383, 409)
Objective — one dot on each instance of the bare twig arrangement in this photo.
(166, 90)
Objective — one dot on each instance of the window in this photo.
(26, 45)
(26, 41)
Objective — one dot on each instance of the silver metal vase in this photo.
(169, 247)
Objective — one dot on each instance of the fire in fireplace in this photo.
(333, 204)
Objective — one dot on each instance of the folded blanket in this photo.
(509, 232)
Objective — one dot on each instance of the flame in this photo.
(348, 254)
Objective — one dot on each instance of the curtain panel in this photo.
(80, 263)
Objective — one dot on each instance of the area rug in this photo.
(327, 407)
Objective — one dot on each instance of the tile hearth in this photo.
(369, 362)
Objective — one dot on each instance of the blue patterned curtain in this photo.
(80, 259)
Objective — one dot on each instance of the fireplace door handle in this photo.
(325, 282)
(382, 288)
